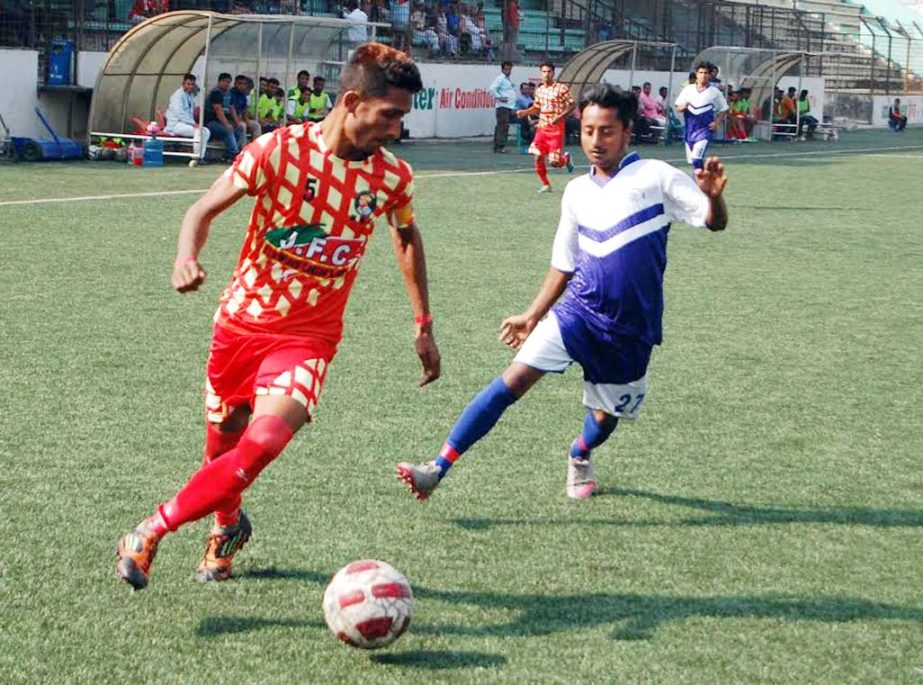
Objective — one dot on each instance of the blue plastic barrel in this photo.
(153, 152)
(59, 62)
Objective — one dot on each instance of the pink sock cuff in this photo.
(449, 453)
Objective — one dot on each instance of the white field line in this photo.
(867, 152)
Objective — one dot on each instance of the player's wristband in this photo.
(423, 320)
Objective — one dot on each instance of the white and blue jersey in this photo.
(613, 238)
(701, 108)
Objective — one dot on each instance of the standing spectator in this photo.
(553, 104)
(319, 104)
(511, 23)
(400, 25)
(181, 116)
(357, 34)
(897, 120)
(805, 119)
(218, 117)
(504, 92)
(703, 108)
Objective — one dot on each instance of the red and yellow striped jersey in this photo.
(552, 100)
(313, 216)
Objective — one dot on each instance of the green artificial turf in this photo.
(760, 522)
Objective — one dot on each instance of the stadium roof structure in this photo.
(148, 63)
(590, 64)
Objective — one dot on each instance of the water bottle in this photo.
(153, 152)
(134, 154)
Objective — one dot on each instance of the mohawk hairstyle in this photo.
(374, 67)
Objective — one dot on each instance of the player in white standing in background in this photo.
(606, 285)
(703, 107)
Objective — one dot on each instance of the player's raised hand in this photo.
(515, 329)
(711, 178)
(188, 275)
(428, 352)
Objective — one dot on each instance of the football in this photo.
(368, 604)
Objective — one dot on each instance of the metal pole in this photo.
(202, 102)
(634, 57)
(259, 67)
(288, 67)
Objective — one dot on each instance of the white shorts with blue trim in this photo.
(696, 151)
(544, 350)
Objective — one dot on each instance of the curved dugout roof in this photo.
(590, 64)
(755, 68)
(148, 63)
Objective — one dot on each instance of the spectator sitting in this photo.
(181, 116)
(218, 117)
(304, 81)
(297, 112)
(651, 108)
(897, 120)
(145, 9)
(240, 110)
(525, 100)
(448, 42)
(400, 25)
(423, 26)
(805, 120)
(486, 43)
(270, 107)
(641, 128)
(319, 104)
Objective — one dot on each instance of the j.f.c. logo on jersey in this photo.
(310, 250)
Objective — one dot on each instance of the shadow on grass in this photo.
(215, 626)
(439, 660)
(633, 616)
(722, 514)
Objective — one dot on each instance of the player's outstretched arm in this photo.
(515, 329)
(188, 274)
(408, 246)
(712, 181)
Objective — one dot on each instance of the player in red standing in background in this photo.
(318, 189)
(553, 104)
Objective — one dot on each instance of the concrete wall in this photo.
(18, 80)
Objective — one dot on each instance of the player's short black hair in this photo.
(241, 77)
(305, 72)
(605, 95)
(224, 76)
(701, 65)
(546, 64)
(189, 77)
(506, 63)
(273, 81)
(373, 68)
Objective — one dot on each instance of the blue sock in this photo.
(481, 414)
(593, 435)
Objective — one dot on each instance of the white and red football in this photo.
(368, 604)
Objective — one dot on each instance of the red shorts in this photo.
(242, 366)
(548, 142)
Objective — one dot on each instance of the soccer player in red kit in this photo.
(318, 189)
(553, 104)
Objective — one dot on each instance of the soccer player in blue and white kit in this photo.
(703, 106)
(606, 287)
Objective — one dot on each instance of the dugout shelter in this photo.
(148, 63)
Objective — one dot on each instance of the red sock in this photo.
(217, 442)
(542, 171)
(217, 484)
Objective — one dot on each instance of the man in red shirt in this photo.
(318, 189)
(553, 104)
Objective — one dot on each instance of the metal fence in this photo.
(872, 54)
